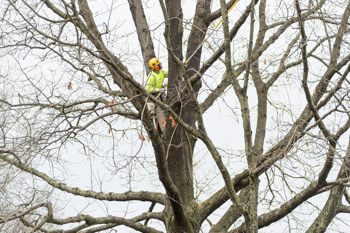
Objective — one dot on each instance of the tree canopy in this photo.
(256, 128)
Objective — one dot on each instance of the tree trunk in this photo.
(179, 164)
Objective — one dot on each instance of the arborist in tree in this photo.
(154, 86)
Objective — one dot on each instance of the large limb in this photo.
(91, 224)
(143, 31)
(127, 196)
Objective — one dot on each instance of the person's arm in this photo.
(162, 90)
(165, 76)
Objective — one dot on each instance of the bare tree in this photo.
(74, 80)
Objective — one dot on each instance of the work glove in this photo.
(161, 90)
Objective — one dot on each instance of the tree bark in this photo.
(178, 162)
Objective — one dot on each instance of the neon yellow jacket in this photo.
(155, 81)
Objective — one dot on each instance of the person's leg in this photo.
(160, 115)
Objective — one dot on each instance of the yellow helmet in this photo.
(154, 63)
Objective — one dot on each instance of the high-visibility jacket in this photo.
(155, 81)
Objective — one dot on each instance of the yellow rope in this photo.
(227, 13)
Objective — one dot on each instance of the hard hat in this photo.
(154, 63)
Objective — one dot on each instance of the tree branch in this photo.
(127, 196)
